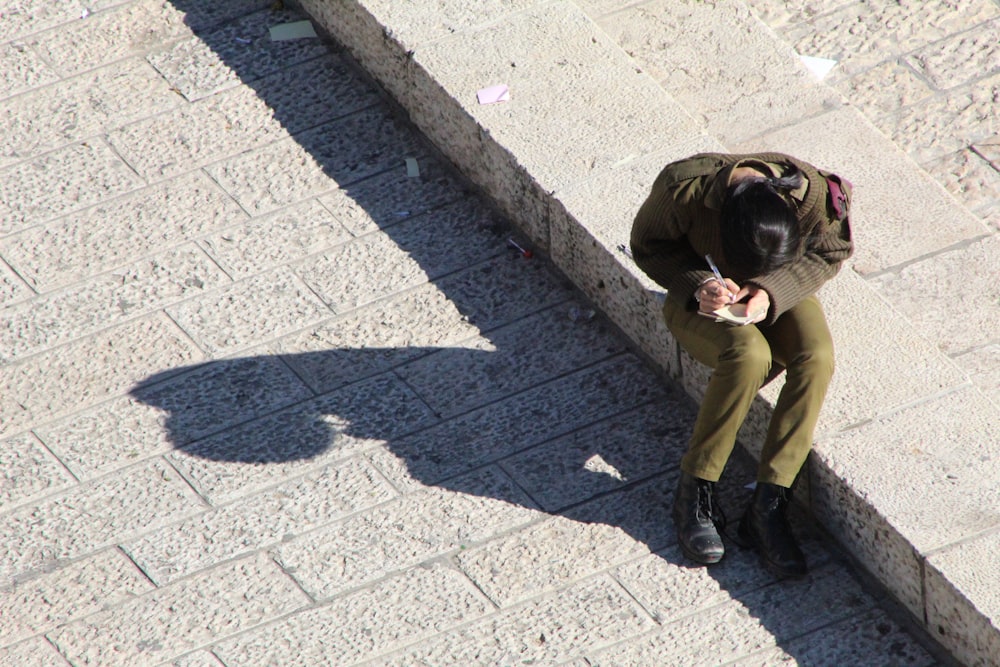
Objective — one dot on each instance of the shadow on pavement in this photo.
(330, 404)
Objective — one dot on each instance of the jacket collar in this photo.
(716, 191)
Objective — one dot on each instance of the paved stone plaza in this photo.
(277, 387)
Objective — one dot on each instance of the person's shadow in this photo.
(440, 412)
(598, 442)
(598, 446)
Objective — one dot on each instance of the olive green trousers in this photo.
(741, 359)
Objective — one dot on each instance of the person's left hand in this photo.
(758, 303)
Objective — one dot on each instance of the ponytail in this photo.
(759, 227)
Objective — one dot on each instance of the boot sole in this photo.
(781, 573)
(698, 558)
(770, 566)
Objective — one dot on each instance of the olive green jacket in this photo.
(678, 225)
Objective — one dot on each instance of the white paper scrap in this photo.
(412, 168)
(296, 30)
(818, 66)
(493, 94)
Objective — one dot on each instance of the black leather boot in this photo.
(694, 517)
(765, 528)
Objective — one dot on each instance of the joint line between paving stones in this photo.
(614, 577)
(980, 154)
(24, 281)
(47, 640)
(206, 502)
(103, 137)
(79, 483)
(451, 561)
(663, 623)
(965, 539)
(90, 333)
(124, 552)
(895, 410)
(313, 601)
(76, 478)
(265, 546)
(627, 486)
(100, 136)
(398, 488)
(197, 243)
(174, 372)
(223, 192)
(24, 36)
(163, 308)
(507, 473)
(102, 133)
(974, 348)
(897, 268)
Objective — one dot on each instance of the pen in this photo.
(718, 276)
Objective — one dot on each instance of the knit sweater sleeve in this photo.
(659, 242)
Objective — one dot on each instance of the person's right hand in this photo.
(711, 296)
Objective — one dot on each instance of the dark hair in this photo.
(760, 231)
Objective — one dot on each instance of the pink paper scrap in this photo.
(493, 94)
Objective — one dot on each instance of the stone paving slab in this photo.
(22, 69)
(63, 181)
(90, 104)
(88, 371)
(101, 238)
(265, 398)
(232, 597)
(87, 306)
(744, 99)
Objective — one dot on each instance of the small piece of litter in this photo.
(85, 13)
(412, 168)
(627, 158)
(527, 254)
(818, 66)
(242, 40)
(625, 250)
(296, 30)
(493, 94)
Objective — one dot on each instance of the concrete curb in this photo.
(569, 159)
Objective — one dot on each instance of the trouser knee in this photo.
(816, 364)
(747, 360)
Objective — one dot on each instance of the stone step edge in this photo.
(375, 47)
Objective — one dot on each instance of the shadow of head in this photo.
(277, 408)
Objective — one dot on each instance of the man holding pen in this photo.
(756, 235)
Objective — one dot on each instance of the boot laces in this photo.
(779, 504)
(708, 507)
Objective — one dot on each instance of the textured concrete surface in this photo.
(265, 398)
